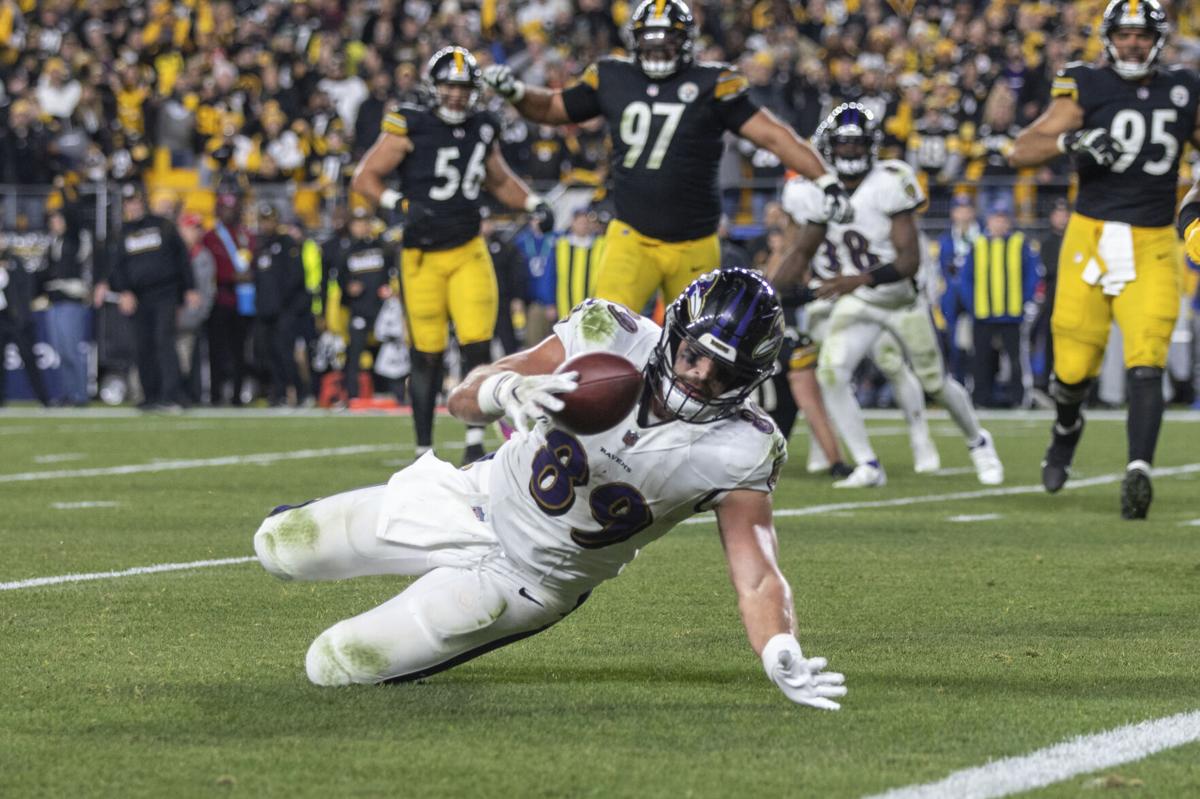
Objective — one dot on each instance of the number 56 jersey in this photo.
(574, 509)
(888, 189)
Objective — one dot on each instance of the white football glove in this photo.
(502, 80)
(837, 201)
(801, 679)
(525, 399)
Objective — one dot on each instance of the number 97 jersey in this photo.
(889, 188)
(1152, 120)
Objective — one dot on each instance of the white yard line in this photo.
(91, 503)
(975, 517)
(198, 463)
(1081, 755)
(160, 567)
(61, 457)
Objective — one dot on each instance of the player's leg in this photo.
(914, 329)
(910, 396)
(474, 305)
(684, 261)
(852, 331)
(1146, 311)
(1079, 327)
(446, 617)
(824, 454)
(628, 271)
(425, 305)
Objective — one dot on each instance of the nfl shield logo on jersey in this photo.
(630, 438)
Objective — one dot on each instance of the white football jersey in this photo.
(576, 508)
(888, 189)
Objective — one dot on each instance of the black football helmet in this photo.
(734, 317)
(452, 66)
(849, 139)
(1146, 14)
(661, 35)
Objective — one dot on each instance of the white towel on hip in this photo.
(1116, 266)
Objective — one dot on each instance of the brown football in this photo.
(609, 387)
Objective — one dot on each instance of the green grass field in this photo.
(963, 640)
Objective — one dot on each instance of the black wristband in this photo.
(1187, 215)
(884, 274)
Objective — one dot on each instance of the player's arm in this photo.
(521, 386)
(1048, 136)
(768, 132)
(385, 155)
(505, 186)
(765, 600)
(905, 239)
(532, 102)
(1189, 223)
(801, 243)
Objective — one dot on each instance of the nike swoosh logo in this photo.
(529, 596)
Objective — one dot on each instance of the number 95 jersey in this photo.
(889, 188)
(574, 509)
(1152, 120)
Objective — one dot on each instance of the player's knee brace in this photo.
(1069, 393)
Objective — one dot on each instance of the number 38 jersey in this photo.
(576, 508)
(890, 188)
(1152, 120)
(667, 140)
(443, 174)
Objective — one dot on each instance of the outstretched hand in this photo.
(802, 680)
(525, 399)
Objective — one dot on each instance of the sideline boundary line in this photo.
(1080, 755)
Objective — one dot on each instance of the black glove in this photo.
(1094, 143)
(543, 216)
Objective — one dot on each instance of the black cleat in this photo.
(840, 470)
(1136, 491)
(1056, 466)
(472, 453)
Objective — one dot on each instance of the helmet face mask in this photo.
(730, 316)
(1140, 15)
(661, 35)
(452, 84)
(849, 140)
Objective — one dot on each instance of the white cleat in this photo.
(925, 455)
(987, 462)
(865, 475)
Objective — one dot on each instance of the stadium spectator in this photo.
(66, 280)
(1041, 342)
(151, 272)
(954, 249)
(231, 246)
(534, 554)
(510, 281)
(537, 250)
(281, 303)
(577, 252)
(365, 276)
(998, 280)
(191, 339)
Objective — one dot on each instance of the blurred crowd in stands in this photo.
(244, 120)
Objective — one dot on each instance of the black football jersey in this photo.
(666, 140)
(1152, 120)
(443, 175)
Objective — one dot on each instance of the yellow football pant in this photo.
(1145, 310)
(634, 266)
(458, 284)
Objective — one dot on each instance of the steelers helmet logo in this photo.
(689, 92)
(1179, 96)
